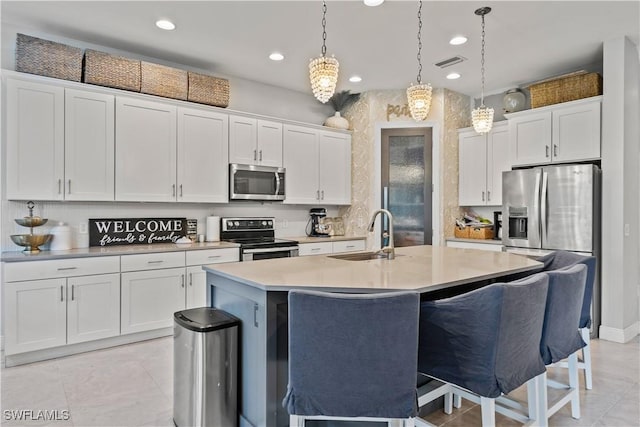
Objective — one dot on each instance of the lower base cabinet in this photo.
(323, 248)
(493, 247)
(196, 290)
(149, 298)
(48, 313)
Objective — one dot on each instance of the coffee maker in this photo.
(315, 227)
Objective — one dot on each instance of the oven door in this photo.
(268, 253)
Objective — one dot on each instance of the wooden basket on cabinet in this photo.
(104, 69)
(461, 233)
(163, 81)
(208, 90)
(480, 232)
(47, 58)
(565, 89)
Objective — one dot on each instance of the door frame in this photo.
(436, 212)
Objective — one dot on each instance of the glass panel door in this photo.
(407, 184)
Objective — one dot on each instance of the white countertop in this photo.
(487, 241)
(19, 256)
(421, 268)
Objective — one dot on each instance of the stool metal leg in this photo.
(574, 384)
(586, 358)
(488, 407)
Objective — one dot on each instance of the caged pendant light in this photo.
(323, 71)
(482, 117)
(419, 95)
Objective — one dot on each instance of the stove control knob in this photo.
(270, 223)
(264, 223)
(237, 224)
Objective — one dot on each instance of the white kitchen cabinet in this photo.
(145, 151)
(35, 141)
(482, 159)
(196, 288)
(73, 303)
(318, 165)
(560, 133)
(89, 146)
(93, 307)
(149, 298)
(323, 248)
(202, 158)
(35, 315)
(255, 141)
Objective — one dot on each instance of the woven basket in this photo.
(112, 71)
(47, 58)
(208, 90)
(565, 89)
(480, 232)
(461, 233)
(163, 81)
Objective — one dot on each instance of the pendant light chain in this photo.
(419, 56)
(324, 28)
(482, 64)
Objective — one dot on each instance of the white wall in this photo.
(621, 182)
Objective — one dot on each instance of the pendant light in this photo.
(323, 71)
(482, 117)
(419, 95)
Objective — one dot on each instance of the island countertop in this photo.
(419, 268)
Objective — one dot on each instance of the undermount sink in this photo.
(359, 256)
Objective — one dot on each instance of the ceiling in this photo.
(525, 40)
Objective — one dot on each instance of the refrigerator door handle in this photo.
(543, 207)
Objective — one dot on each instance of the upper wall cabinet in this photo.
(255, 142)
(483, 158)
(60, 143)
(35, 141)
(559, 133)
(318, 165)
(202, 156)
(145, 151)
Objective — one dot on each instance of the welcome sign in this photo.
(129, 231)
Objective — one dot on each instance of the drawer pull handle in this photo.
(350, 246)
(214, 256)
(67, 268)
(190, 279)
(182, 280)
(61, 293)
(315, 249)
(155, 262)
(73, 293)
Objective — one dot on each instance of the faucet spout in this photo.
(389, 250)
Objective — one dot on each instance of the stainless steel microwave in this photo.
(250, 182)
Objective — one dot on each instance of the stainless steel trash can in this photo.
(205, 361)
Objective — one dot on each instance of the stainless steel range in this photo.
(256, 238)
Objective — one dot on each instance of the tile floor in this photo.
(131, 385)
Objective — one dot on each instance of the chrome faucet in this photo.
(389, 249)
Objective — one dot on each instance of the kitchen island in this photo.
(256, 292)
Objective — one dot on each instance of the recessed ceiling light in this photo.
(458, 40)
(453, 76)
(276, 56)
(355, 79)
(165, 24)
(373, 2)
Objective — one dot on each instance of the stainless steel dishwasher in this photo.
(205, 368)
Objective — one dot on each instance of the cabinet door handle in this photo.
(555, 150)
(255, 155)
(260, 155)
(190, 279)
(255, 315)
(173, 190)
(69, 185)
(182, 280)
(180, 190)
(317, 194)
(483, 196)
(59, 186)
(155, 262)
(488, 196)
(73, 293)
(546, 151)
(61, 293)
(214, 256)
(66, 268)
(322, 197)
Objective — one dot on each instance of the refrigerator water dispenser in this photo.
(518, 223)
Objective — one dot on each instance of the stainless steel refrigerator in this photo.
(553, 208)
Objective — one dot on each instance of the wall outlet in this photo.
(83, 228)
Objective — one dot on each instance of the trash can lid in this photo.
(205, 319)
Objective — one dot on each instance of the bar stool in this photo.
(352, 357)
(485, 343)
(561, 259)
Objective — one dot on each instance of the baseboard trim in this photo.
(619, 335)
(67, 350)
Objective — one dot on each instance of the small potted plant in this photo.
(340, 101)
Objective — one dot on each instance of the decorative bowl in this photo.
(31, 242)
(31, 221)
